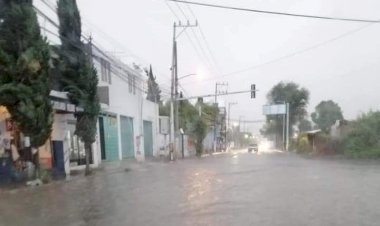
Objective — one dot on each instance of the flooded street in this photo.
(226, 189)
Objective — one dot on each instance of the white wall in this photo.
(150, 113)
(130, 104)
(208, 142)
(59, 133)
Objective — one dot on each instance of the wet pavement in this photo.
(227, 189)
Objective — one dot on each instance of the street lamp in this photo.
(185, 76)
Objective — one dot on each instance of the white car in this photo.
(253, 147)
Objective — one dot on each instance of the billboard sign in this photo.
(278, 109)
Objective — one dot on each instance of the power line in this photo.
(290, 54)
(111, 59)
(53, 7)
(114, 69)
(276, 13)
(184, 90)
(114, 63)
(188, 36)
(205, 41)
(211, 63)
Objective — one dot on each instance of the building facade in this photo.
(128, 123)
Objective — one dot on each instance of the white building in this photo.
(128, 123)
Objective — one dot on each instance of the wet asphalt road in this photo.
(228, 189)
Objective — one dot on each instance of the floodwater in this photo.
(269, 188)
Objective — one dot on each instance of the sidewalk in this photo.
(103, 169)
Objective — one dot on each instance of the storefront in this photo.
(62, 151)
(68, 149)
(17, 160)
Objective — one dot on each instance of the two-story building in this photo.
(127, 125)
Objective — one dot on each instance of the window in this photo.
(105, 70)
(130, 83)
(134, 84)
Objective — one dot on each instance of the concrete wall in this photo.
(208, 142)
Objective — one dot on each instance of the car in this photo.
(253, 147)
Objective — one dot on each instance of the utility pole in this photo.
(174, 122)
(284, 128)
(287, 128)
(171, 135)
(216, 105)
(229, 113)
(240, 131)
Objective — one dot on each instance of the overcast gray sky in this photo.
(345, 70)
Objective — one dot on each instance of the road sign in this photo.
(278, 109)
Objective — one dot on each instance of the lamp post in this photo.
(183, 143)
(185, 76)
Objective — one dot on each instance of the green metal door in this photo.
(148, 139)
(127, 144)
(111, 138)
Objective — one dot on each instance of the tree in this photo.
(363, 140)
(72, 52)
(209, 112)
(24, 71)
(154, 92)
(199, 131)
(304, 125)
(187, 113)
(2, 9)
(78, 74)
(326, 114)
(297, 98)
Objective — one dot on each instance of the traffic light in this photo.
(253, 91)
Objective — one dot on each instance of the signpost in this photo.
(280, 109)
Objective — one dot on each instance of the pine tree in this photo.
(78, 74)
(72, 52)
(2, 9)
(24, 71)
(154, 92)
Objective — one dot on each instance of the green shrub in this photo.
(364, 139)
(45, 176)
(199, 131)
(301, 144)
